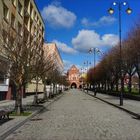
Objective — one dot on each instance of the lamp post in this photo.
(94, 50)
(82, 72)
(87, 63)
(128, 11)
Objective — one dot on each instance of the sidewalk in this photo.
(15, 122)
(25, 101)
(130, 106)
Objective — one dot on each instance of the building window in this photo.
(26, 21)
(20, 8)
(13, 21)
(32, 12)
(20, 29)
(6, 12)
(35, 31)
(35, 16)
(2, 79)
(74, 78)
(32, 28)
(5, 37)
(14, 2)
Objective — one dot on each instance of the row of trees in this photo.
(112, 70)
(25, 61)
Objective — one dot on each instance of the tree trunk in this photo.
(24, 91)
(36, 92)
(130, 83)
(102, 85)
(112, 86)
(122, 84)
(56, 89)
(18, 101)
(105, 85)
(117, 82)
(139, 84)
(53, 90)
(98, 86)
(45, 94)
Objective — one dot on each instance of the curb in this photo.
(15, 127)
(119, 107)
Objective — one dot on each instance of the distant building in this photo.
(51, 52)
(73, 76)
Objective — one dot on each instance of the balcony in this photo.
(26, 12)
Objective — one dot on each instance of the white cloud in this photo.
(58, 17)
(67, 63)
(85, 22)
(103, 21)
(110, 39)
(64, 47)
(87, 39)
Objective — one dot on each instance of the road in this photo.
(78, 116)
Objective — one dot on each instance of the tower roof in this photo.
(73, 67)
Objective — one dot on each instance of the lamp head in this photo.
(90, 50)
(110, 11)
(128, 10)
(114, 3)
(124, 3)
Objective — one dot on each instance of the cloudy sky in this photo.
(78, 25)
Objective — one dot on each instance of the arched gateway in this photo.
(73, 85)
(74, 77)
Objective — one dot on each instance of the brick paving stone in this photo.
(78, 116)
(128, 104)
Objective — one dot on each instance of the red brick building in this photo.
(74, 77)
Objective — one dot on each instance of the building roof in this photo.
(73, 66)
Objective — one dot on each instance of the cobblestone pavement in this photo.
(128, 104)
(78, 116)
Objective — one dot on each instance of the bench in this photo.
(40, 100)
(4, 114)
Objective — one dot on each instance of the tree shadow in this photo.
(2, 121)
(136, 117)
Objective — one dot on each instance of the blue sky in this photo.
(77, 25)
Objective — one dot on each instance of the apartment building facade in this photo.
(51, 50)
(52, 55)
(24, 19)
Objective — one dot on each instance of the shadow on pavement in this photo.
(136, 117)
(2, 121)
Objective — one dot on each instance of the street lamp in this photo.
(82, 78)
(128, 11)
(94, 50)
(87, 63)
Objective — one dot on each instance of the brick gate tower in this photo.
(74, 77)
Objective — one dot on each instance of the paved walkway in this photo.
(78, 116)
(11, 103)
(131, 106)
(8, 126)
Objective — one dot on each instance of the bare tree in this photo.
(108, 71)
(20, 53)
